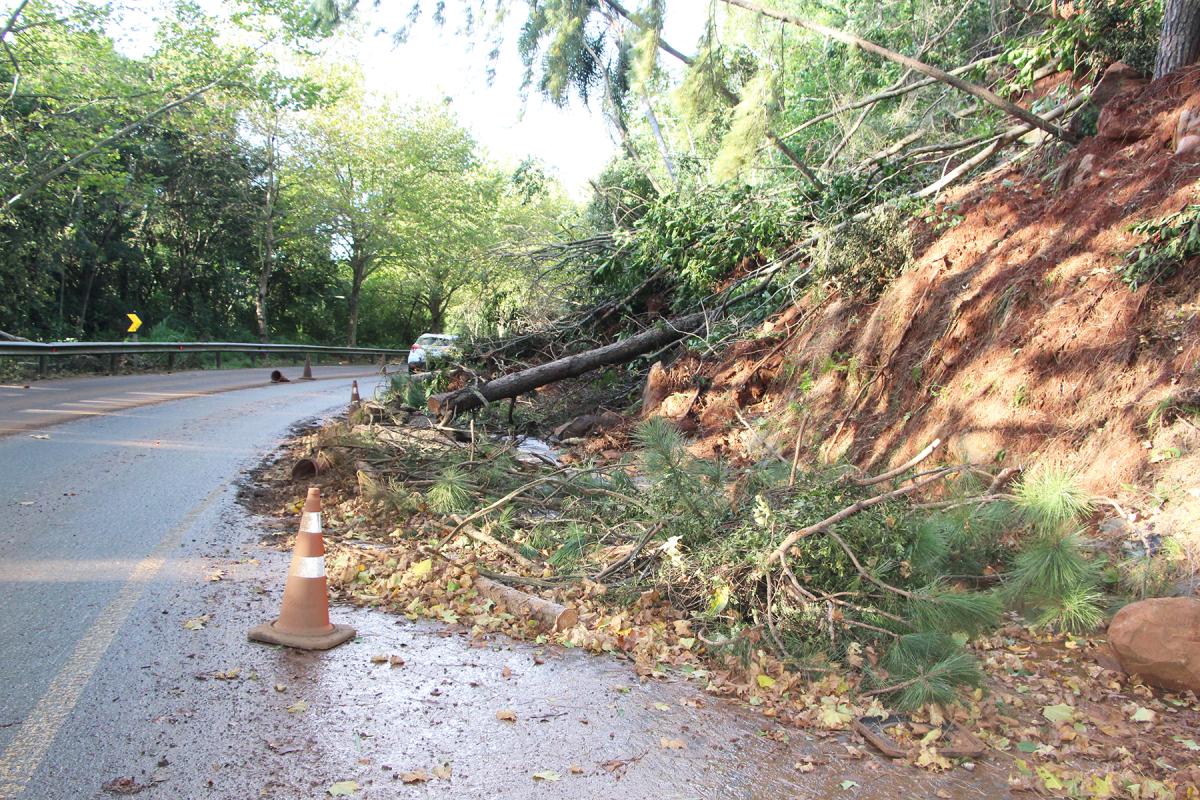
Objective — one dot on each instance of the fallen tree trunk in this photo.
(550, 615)
(518, 383)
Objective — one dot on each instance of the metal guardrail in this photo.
(43, 350)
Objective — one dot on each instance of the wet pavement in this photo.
(119, 530)
(39, 404)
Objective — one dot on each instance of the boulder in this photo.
(1159, 640)
(657, 388)
(580, 426)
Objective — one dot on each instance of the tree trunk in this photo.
(1179, 44)
(518, 383)
(268, 242)
(358, 267)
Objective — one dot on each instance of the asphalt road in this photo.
(39, 404)
(120, 528)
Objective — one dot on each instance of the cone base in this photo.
(308, 378)
(269, 634)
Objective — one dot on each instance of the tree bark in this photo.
(268, 241)
(986, 95)
(526, 380)
(1179, 44)
(358, 268)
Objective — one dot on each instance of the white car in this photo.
(431, 347)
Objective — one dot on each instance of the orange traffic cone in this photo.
(355, 400)
(304, 619)
(307, 376)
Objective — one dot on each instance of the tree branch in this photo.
(986, 95)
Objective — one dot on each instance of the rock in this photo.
(580, 426)
(677, 406)
(1118, 78)
(656, 390)
(1159, 640)
(608, 419)
(1087, 165)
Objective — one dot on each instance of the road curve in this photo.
(129, 577)
(40, 404)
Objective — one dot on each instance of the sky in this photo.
(574, 143)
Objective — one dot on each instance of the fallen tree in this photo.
(447, 404)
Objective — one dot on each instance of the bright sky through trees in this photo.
(435, 63)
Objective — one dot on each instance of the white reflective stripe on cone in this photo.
(310, 522)
(310, 567)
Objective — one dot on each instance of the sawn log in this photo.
(526, 380)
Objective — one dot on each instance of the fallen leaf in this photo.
(343, 789)
(547, 775)
(279, 687)
(662, 706)
(1143, 714)
(847, 785)
(766, 681)
(671, 744)
(575, 769)
(196, 623)
(298, 707)
(506, 715)
(395, 661)
(506, 673)
(421, 569)
(1190, 744)
(44, 436)
(216, 575)
(442, 772)
(123, 786)
(1059, 713)
(416, 776)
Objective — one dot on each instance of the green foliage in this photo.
(1097, 34)
(700, 238)
(861, 258)
(938, 608)
(1052, 575)
(929, 668)
(1050, 497)
(1171, 241)
(450, 492)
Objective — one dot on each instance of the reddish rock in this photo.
(1159, 640)
(657, 389)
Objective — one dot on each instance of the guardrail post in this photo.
(253, 359)
(41, 366)
(218, 359)
(112, 363)
(171, 361)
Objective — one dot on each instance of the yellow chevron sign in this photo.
(135, 322)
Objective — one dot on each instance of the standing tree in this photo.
(1180, 42)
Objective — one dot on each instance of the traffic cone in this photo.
(355, 400)
(307, 376)
(304, 618)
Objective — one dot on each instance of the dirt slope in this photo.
(1011, 338)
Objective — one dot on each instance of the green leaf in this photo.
(1190, 744)
(1027, 747)
(1058, 713)
(1143, 714)
(342, 789)
(847, 785)
(547, 775)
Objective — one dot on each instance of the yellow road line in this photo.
(33, 739)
